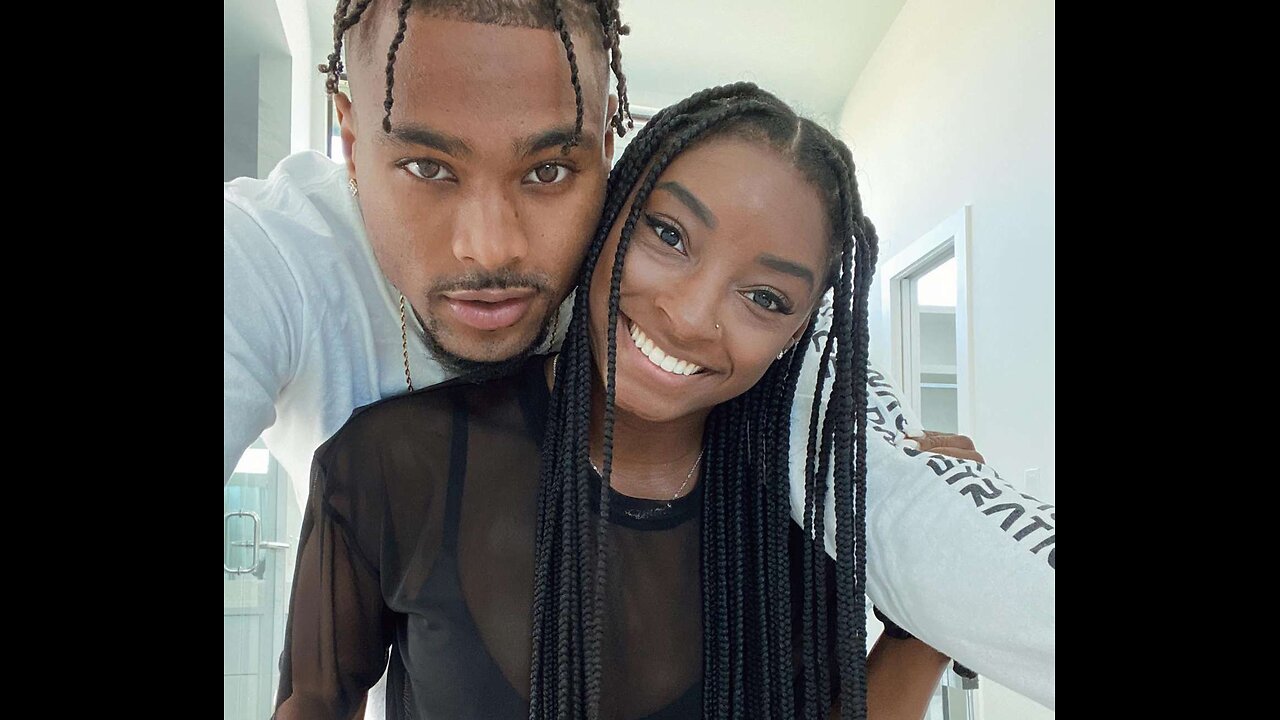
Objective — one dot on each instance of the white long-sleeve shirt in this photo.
(311, 331)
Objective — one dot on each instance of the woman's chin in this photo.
(658, 405)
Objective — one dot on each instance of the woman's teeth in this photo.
(659, 357)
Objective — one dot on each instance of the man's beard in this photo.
(481, 370)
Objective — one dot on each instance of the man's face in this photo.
(472, 210)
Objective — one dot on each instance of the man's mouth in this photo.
(491, 309)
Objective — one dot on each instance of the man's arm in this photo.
(961, 558)
(260, 304)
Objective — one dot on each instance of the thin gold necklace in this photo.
(683, 485)
(556, 358)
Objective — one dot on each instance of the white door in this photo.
(257, 561)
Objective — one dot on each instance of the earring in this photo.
(717, 326)
(351, 185)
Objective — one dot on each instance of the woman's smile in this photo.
(664, 366)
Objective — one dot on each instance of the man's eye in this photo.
(428, 170)
(547, 174)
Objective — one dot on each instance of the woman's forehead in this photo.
(736, 180)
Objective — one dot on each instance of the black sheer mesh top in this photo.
(419, 538)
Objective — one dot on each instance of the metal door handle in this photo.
(226, 521)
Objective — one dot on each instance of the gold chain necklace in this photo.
(404, 344)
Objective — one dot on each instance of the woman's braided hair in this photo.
(749, 664)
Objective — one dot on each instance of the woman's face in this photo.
(726, 263)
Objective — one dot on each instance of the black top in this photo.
(419, 536)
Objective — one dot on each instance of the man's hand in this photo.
(957, 446)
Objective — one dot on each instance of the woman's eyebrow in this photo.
(683, 195)
(786, 266)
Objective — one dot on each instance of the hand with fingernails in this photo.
(957, 446)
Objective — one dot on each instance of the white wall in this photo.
(273, 96)
(308, 101)
(956, 107)
(274, 111)
(255, 114)
(239, 116)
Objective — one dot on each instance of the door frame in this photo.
(899, 273)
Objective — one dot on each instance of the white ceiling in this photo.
(809, 52)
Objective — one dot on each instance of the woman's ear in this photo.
(795, 337)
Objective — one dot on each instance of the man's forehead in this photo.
(581, 18)
(476, 64)
(370, 39)
(468, 88)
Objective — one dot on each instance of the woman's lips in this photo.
(645, 365)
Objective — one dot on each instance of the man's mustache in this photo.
(493, 281)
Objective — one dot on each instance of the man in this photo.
(478, 141)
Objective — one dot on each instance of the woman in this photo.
(461, 525)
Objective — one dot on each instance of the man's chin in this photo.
(482, 359)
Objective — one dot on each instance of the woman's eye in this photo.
(428, 170)
(548, 174)
(768, 301)
(666, 233)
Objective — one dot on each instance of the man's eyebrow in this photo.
(786, 266)
(426, 137)
(682, 193)
(552, 138)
